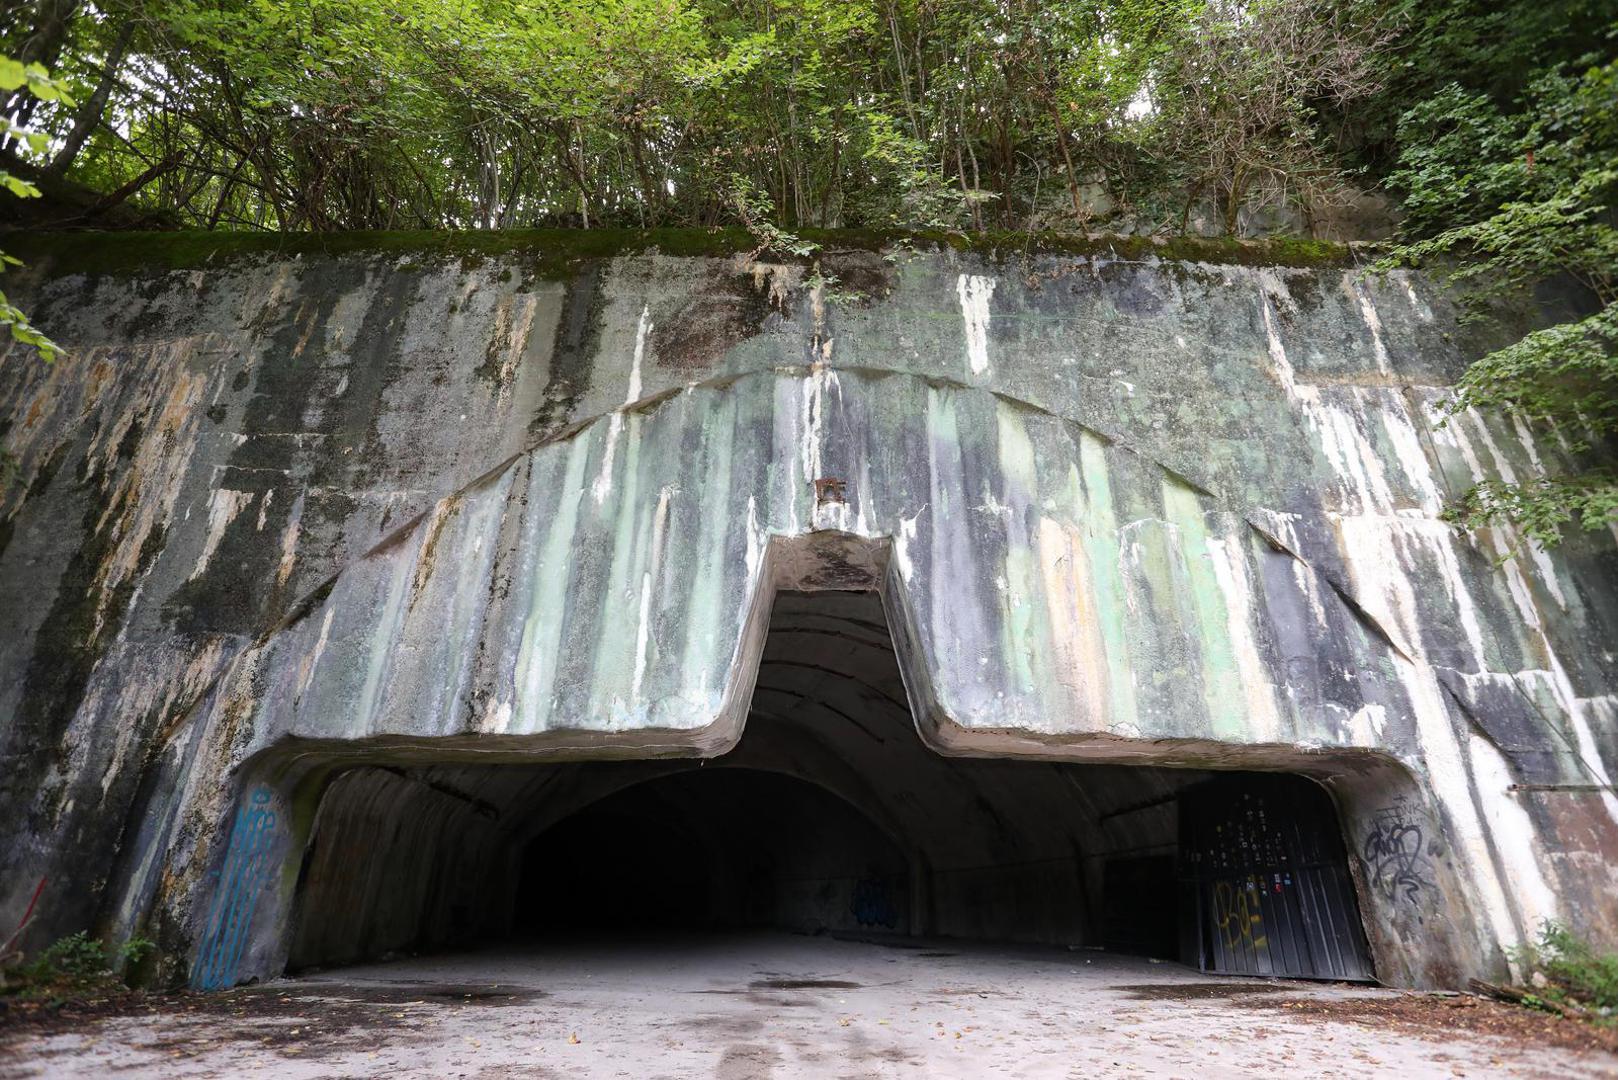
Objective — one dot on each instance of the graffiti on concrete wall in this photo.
(1395, 859)
(247, 869)
(872, 904)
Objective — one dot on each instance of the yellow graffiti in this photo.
(1236, 913)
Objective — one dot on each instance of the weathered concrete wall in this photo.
(281, 512)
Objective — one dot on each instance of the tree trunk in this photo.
(88, 118)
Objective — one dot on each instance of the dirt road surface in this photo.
(751, 1007)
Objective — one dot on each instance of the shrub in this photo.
(75, 966)
(1566, 969)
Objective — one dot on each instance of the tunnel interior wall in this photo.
(396, 865)
(1177, 511)
(392, 869)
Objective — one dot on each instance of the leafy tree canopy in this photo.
(1493, 127)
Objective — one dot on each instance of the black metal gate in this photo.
(1266, 880)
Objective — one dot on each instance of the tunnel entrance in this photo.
(713, 849)
(831, 816)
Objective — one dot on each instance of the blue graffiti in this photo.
(872, 905)
(248, 866)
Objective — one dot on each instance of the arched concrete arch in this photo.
(1039, 624)
(851, 733)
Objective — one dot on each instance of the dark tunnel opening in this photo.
(831, 816)
(712, 849)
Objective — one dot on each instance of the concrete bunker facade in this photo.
(389, 558)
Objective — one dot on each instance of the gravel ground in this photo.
(741, 1007)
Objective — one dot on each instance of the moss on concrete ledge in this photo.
(558, 253)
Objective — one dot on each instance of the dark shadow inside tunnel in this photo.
(831, 815)
(712, 849)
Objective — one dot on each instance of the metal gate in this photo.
(1266, 881)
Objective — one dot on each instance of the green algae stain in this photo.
(706, 612)
(547, 589)
(1101, 536)
(1025, 628)
(1222, 682)
(615, 650)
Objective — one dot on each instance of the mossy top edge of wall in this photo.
(558, 253)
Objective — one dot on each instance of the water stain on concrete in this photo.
(1199, 991)
(802, 984)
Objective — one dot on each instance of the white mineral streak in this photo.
(1417, 304)
(1377, 565)
(643, 630)
(862, 494)
(1373, 322)
(1308, 582)
(1440, 541)
(1530, 447)
(1129, 566)
(615, 423)
(1513, 831)
(812, 425)
(519, 324)
(1562, 687)
(144, 494)
(755, 541)
(223, 507)
(612, 661)
(642, 638)
(1366, 725)
(901, 548)
(1230, 570)
(1078, 654)
(384, 648)
(469, 568)
(1451, 782)
(306, 672)
(975, 291)
(546, 563)
(1413, 462)
(173, 676)
(289, 542)
(1349, 452)
(1536, 551)
(780, 278)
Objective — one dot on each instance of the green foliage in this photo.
(757, 211)
(1239, 109)
(1567, 371)
(1539, 507)
(932, 114)
(77, 956)
(1564, 968)
(75, 966)
(1504, 197)
(15, 75)
(34, 81)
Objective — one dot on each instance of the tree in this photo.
(1502, 199)
(1239, 97)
